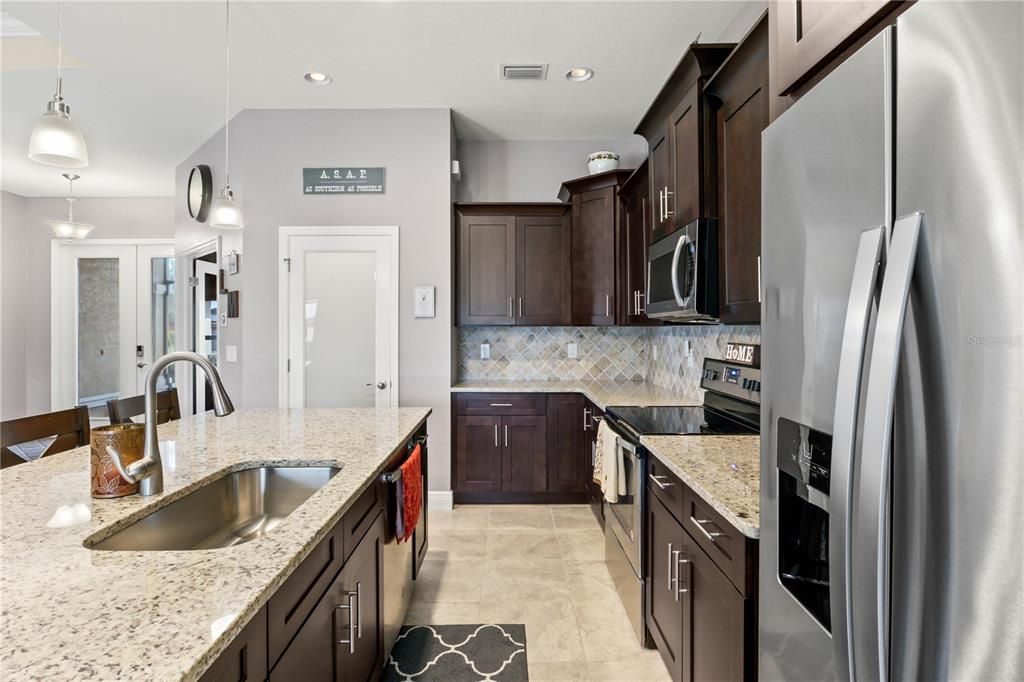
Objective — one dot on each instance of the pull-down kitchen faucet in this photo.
(149, 471)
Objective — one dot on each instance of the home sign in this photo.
(361, 180)
(743, 354)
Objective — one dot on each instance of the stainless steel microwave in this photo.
(682, 274)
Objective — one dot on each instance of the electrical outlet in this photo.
(573, 351)
(485, 351)
(231, 353)
(654, 351)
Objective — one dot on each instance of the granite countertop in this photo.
(601, 393)
(67, 612)
(724, 470)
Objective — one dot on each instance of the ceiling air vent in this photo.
(524, 72)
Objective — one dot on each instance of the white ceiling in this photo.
(148, 89)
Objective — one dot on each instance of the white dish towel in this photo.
(612, 475)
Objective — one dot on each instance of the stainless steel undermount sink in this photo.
(235, 508)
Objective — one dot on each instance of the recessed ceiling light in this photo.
(579, 74)
(317, 78)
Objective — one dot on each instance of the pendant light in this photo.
(225, 213)
(69, 229)
(56, 139)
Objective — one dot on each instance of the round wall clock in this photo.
(200, 192)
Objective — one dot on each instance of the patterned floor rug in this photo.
(458, 653)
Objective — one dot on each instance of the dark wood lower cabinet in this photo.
(665, 602)
(703, 625)
(477, 454)
(350, 610)
(519, 448)
(246, 657)
(326, 622)
(523, 454)
(714, 617)
(568, 453)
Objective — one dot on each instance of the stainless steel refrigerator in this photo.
(892, 421)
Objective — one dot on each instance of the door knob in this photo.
(382, 385)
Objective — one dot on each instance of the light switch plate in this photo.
(424, 302)
(485, 351)
(231, 353)
(573, 351)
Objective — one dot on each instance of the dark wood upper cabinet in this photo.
(593, 230)
(681, 142)
(685, 202)
(662, 176)
(739, 95)
(635, 209)
(808, 34)
(487, 269)
(568, 451)
(595, 233)
(523, 454)
(514, 264)
(543, 270)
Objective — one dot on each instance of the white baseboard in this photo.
(440, 500)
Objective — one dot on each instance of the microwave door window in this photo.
(661, 280)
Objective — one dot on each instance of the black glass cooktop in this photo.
(679, 420)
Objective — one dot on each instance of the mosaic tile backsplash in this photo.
(604, 354)
(674, 370)
(541, 354)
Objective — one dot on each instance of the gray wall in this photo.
(269, 149)
(26, 279)
(13, 305)
(532, 170)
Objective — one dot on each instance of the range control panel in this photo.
(738, 381)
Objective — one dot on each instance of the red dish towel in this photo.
(412, 492)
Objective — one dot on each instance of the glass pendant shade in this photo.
(226, 214)
(56, 139)
(64, 229)
(69, 229)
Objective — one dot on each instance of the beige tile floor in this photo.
(542, 566)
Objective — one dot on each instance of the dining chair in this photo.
(123, 410)
(68, 429)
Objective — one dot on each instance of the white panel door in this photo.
(341, 312)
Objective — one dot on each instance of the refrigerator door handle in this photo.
(863, 291)
(870, 566)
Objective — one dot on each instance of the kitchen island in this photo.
(68, 612)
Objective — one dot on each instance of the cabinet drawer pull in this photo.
(520, 306)
(668, 213)
(668, 573)
(673, 562)
(495, 435)
(359, 609)
(656, 479)
(586, 418)
(680, 589)
(710, 535)
(510, 307)
(352, 609)
(607, 305)
(501, 404)
(506, 435)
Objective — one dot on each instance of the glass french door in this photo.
(114, 313)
